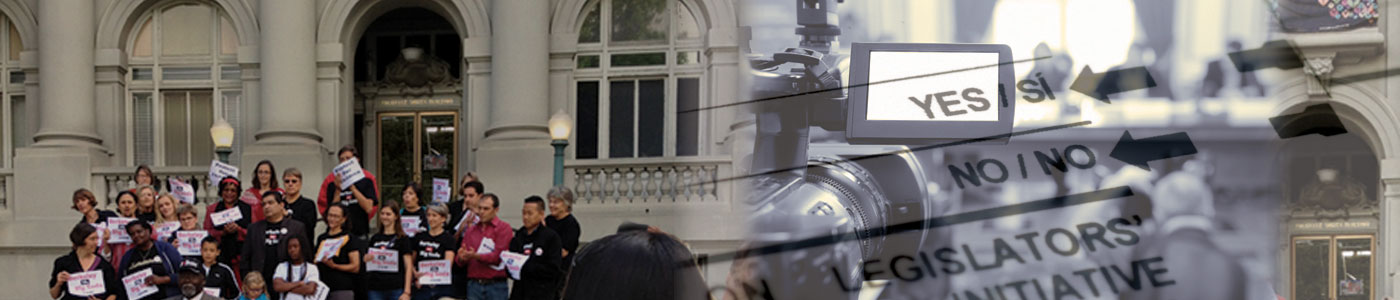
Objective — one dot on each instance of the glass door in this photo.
(416, 147)
(1329, 267)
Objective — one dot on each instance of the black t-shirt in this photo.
(568, 231)
(304, 210)
(149, 217)
(421, 214)
(271, 239)
(433, 247)
(357, 216)
(335, 279)
(380, 281)
(102, 216)
(70, 263)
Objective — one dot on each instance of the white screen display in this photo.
(966, 95)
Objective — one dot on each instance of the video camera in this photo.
(898, 94)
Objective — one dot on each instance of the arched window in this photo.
(638, 63)
(13, 116)
(184, 73)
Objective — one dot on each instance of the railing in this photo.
(649, 180)
(107, 182)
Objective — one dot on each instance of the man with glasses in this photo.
(299, 207)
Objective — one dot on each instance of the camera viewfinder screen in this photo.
(963, 89)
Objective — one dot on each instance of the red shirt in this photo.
(500, 233)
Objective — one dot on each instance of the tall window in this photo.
(638, 63)
(13, 116)
(183, 74)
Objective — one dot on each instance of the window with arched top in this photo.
(13, 107)
(183, 75)
(638, 63)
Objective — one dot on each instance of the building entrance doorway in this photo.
(416, 147)
(1333, 267)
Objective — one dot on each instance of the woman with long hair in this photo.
(264, 180)
(389, 279)
(83, 259)
(342, 268)
(146, 203)
(144, 176)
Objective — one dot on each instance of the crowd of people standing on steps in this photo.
(263, 242)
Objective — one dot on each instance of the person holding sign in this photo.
(481, 252)
(231, 234)
(295, 279)
(413, 213)
(299, 207)
(340, 263)
(158, 258)
(82, 274)
(360, 198)
(462, 216)
(192, 283)
(266, 246)
(117, 240)
(436, 245)
(189, 224)
(219, 278)
(389, 259)
(541, 272)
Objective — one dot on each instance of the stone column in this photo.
(288, 57)
(67, 116)
(1389, 247)
(515, 157)
(67, 145)
(287, 107)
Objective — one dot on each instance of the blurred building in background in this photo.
(1308, 217)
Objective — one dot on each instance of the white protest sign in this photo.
(136, 287)
(487, 245)
(182, 191)
(86, 283)
(190, 241)
(117, 226)
(513, 262)
(164, 230)
(411, 225)
(349, 172)
(227, 216)
(435, 272)
(330, 247)
(970, 94)
(382, 260)
(442, 190)
(212, 292)
(218, 170)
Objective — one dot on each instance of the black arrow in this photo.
(1111, 82)
(1139, 152)
(1274, 54)
(1316, 119)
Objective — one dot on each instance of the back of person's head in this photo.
(1182, 194)
(635, 265)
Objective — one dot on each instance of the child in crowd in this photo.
(253, 287)
(219, 279)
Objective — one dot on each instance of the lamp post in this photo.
(222, 133)
(560, 126)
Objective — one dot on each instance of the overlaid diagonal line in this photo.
(860, 85)
(914, 149)
(931, 223)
